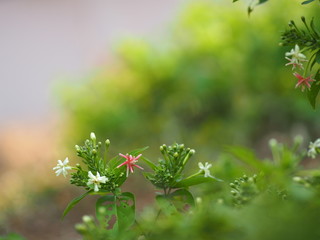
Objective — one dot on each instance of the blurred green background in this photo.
(216, 78)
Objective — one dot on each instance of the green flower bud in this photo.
(87, 219)
(81, 228)
(78, 149)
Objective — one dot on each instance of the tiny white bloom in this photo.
(96, 180)
(205, 168)
(62, 167)
(314, 148)
(296, 57)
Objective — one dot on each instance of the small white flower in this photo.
(96, 180)
(62, 167)
(314, 148)
(205, 168)
(296, 57)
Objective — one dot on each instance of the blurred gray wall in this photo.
(42, 41)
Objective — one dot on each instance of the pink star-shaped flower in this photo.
(130, 162)
(303, 82)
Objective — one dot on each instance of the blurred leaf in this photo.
(262, 1)
(12, 236)
(314, 91)
(181, 199)
(194, 180)
(74, 202)
(246, 156)
(165, 205)
(306, 2)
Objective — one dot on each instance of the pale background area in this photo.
(41, 42)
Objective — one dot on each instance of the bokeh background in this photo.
(140, 73)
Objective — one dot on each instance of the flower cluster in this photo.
(296, 59)
(99, 175)
(244, 189)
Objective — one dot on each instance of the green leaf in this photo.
(150, 164)
(74, 202)
(262, 1)
(246, 156)
(12, 236)
(165, 205)
(181, 199)
(314, 91)
(138, 151)
(194, 180)
(126, 210)
(121, 207)
(105, 209)
(306, 2)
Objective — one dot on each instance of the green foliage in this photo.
(74, 202)
(217, 78)
(12, 236)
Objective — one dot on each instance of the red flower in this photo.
(130, 162)
(303, 82)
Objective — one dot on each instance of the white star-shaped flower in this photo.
(62, 167)
(314, 147)
(96, 180)
(296, 57)
(205, 168)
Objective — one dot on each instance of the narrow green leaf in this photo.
(194, 180)
(262, 1)
(150, 164)
(74, 202)
(138, 151)
(314, 91)
(306, 2)
(246, 156)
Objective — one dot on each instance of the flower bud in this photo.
(192, 152)
(198, 200)
(81, 228)
(107, 143)
(87, 219)
(93, 136)
(233, 192)
(78, 149)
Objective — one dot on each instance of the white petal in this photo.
(90, 175)
(200, 165)
(66, 161)
(96, 187)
